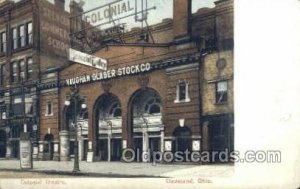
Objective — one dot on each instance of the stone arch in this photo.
(145, 126)
(107, 127)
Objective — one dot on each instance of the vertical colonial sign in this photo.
(86, 59)
(106, 21)
(54, 34)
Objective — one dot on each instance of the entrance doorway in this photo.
(116, 151)
(154, 146)
(220, 137)
(183, 140)
(138, 148)
(2, 144)
(48, 146)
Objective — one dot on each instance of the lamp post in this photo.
(75, 101)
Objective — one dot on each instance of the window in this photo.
(17, 107)
(182, 92)
(22, 69)
(115, 110)
(14, 72)
(153, 106)
(29, 68)
(2, 107)
(28, 104)
(3, 74)
(29, 33)
(22, 36)
(15, 38)
(221, 92)
(49, 110)
(2, 42)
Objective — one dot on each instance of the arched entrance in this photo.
(182, 140)
(2, 143)
(146, 121)
(108, 116)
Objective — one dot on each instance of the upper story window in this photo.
(14, 38)
(22, 69)
(28, 104)
(3, 74)
(14, 72)
(29, 36)
(221, 92)
(3, 42)
(49, 109)
(22, 35)
(29, 68)
(182, 92)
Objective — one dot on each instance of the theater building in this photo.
(34, 38)
(172, 93)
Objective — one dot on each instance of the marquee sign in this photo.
(109, 74)
(86, 59)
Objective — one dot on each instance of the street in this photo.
(11, 169)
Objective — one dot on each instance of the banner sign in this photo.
(109, 74)
(86, 59)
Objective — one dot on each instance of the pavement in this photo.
(122, 169)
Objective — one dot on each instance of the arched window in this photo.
(115, 110)
(153, 106)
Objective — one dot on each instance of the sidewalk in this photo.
(120, 169)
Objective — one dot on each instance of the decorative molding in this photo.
(182, 68)
(106, 85)
(143, 80)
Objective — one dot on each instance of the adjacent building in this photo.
(34, 39)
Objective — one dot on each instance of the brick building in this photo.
(34, 38)
(173, 94)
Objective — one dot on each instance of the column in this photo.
(80, 147)
(35, 152)
(8, 149)
(146, 154)
(64, 138)
(109, 147)
(162, 139)
(90, 153)
(41, 151)
(205, 135)
(56, 150)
